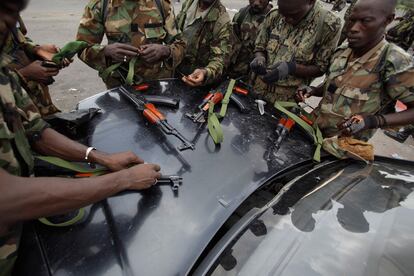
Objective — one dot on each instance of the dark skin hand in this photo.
(47, 51)
(151, 53)
(393, 120)
(120, 52)
(30, 198)
(36, 72)
(196, 78)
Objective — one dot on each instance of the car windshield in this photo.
(356, 219)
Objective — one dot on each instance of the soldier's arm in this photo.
(263, 36)
(23, 198)
(91, 29)
(174, 40)
(219, 51)
(400, 86)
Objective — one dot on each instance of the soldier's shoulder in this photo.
(240, 13)
(274, 12)
(331, 20)
(398, 57)
(93, 4)
(223, 15)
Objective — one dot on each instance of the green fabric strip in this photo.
(314, 131)
(226, 99)
(214, 127)
(76, 219)
(72, 166)
(69, 51)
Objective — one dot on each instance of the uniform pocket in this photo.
(350, 101)
(154, 32)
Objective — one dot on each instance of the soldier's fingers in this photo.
(51, 70)
(128, 47)
(126, 53)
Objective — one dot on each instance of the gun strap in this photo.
(314, 130)
(131, 71)
(214, 127)
(226, 100)
(76, 168)
(79, 216)
(69, 51)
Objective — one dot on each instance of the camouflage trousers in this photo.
(273, 92)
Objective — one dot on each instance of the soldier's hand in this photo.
(303, 93)
(116, 161)
(358, 123)
(36, 72)
(120, 52)
(279, 71)
(142, 176)
(258, 65)
(154, 52)
(197, 78)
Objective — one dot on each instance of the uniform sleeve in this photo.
(174, 39)
(219, 50)
(399, 76)
(330, 38)
(263, 36)
(33, 122)
(91, 30)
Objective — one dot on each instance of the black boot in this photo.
(400, 135)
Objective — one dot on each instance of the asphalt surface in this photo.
(57, 22)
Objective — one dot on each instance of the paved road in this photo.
(57, 21)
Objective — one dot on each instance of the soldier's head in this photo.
(367, 23)
(258, 6)
(9, 13)
(294, 10)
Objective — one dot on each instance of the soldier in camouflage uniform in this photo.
(402, 35)
(206, 28)
(293, 47)
(245, 26)
(26, 61)
(366, 78)
(21, 131)
(143, 29)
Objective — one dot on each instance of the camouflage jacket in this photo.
(366, 85)
(207, 40)
(133, 22)
(18, 119)
(245, 27)
(21, 50)
(311, 42)
(402, 34)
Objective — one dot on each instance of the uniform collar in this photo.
(363, 59)
(214, 12)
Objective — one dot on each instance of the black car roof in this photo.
(154, 232)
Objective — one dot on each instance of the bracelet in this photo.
(88, 151)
